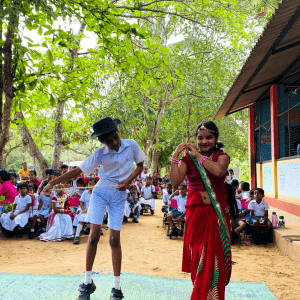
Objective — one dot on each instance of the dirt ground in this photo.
(147, 250)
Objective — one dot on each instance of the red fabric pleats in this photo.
(203, 254)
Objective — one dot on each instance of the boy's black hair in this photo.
(184, 185)
(13, 174)
(133, 186)
(22, 184)
(57, 174)
(49, 171)
(80, 181)
(234, 183)
(169, 184)
(251, 192)
(245, 186)
(102, 138)
(64, 167)
(4, 175)
(260, 190)
(33, 186)
(70, 181)
(32, 171)
(230, 170)
(92, 179)
(44, 183)
(148, 177)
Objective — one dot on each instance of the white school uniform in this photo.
(181, 202)
(114, 167)
(129, 208)
(147, 192)
(46, 206)
(166, 198)
(86, 197)
(21, 219)
(33, 209)
(245, 195)
(61, 226)
(239, 204)
(259, 209)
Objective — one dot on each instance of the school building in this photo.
(269, 87)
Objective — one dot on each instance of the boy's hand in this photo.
(122, 185)
(47, 189)
(177, 192)
(11, 216)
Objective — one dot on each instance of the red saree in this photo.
(206, 249)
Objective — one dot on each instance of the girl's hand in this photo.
(11, 216)
(179, 149)
(193, 149)
(84, 211)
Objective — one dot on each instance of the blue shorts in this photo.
(111, 198)
(176, 213)
(254, 219)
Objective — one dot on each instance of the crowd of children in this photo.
(62, 214)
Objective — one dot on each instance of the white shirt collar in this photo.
(124, 144)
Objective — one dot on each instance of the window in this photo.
(289, 123)
(262, 134)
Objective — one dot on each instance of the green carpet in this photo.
(134, 287)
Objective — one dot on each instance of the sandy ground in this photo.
(147, 250)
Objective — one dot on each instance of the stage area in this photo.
(135, 287)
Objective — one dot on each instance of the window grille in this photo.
(289, 123)
(262, 134)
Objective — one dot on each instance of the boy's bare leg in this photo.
(116, 251)
(91, 248)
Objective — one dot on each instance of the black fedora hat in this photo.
(104, 126)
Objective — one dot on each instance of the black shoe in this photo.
(31, 235)
(174, 233)
(116, 294)
(87, 231)
(125, 219)
(7, 234)
(40, 232)
(86, 290)
(135, 220)
(76, 240)
(141, 211)
(19, 234)
(180, 233)
(152, 211)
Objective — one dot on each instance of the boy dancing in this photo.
(116, 160)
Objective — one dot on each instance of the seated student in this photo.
(139, 186)
(32, 192)
(259, 215)
(19, 215)
(42, 212)
(49, 173)
(245, 212)
(178, 213)
(33, 179)
(14, 179)
(79, 220)
(148, 193)
(78, 193)
(243, 191)
(156, 181)
(166, 198)
(64, 169)
(235, 186)
(132, 204)
(59, 225)
(68, 186)
(7, 188)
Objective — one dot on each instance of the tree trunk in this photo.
(7, 82)
(154, 163)
(57, 136)
(31, 147)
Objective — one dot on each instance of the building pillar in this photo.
(251, 147)
(274, 136)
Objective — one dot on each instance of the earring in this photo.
(217, 146)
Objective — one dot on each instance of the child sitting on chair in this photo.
(166, 198)
(259, 216)
(178, 213)
(18, 217)
(148, 192)
(133, 204)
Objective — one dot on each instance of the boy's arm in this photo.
(122, 185)
(171, 197)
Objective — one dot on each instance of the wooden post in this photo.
(251, 147)
(274, 136)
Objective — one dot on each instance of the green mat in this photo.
(134, 287)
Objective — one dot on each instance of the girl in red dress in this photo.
(206, 250)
